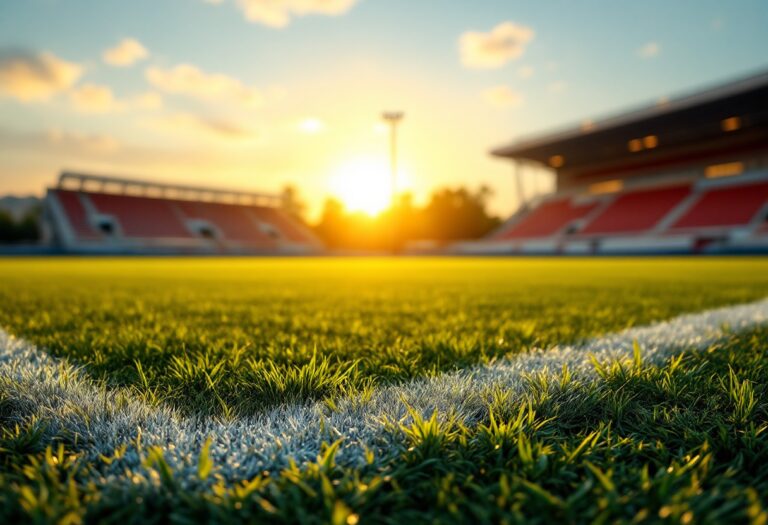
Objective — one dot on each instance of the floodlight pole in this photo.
(393, 118)
(519, 183)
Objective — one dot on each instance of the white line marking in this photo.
(103, 420)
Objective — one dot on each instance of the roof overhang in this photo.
(691, 119)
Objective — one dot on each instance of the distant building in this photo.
(95, 214)
(686, 175)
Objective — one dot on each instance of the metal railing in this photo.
(136, 187)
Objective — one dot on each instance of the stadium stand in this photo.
(725, 207)
(287, 227)
(140, 217)
(636, 211)
(73, 209)
(687, 175)
(93, 214)
(548, 218)
(234, 222)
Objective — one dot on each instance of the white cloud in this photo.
(505, 42)
(278, 13)
(557, 87)
(29, 77)
(94, 98)
(503, 97)
(525, 71)
(147, 100)
(203, 127)
(126, 53)
(649, 50)
(79, 141)
(186, 79)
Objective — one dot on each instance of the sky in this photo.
(257, 94)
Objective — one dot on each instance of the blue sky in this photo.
(338, 63)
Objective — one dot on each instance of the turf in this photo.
(685, 442)
(240, 335)
(681, 442)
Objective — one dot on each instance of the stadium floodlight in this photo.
(393, 118)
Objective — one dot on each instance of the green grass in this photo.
(239, 335)
(684, 442)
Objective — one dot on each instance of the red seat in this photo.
(637, 211)
(141, 217)
(726, 206)
(547, 219)
(285, 225)
(76, 214)
(233, 221)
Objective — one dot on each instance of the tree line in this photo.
(24, 230)
(450, 214)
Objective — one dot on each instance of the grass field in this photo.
(210, 339)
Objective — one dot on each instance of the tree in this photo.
(7, 228)
(450, 215)
(332, 225)
(291, 203)
(26, 230)
(457, 214)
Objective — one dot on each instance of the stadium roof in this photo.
(121, 185)
(685, 120)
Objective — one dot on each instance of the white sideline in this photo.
(104, 419)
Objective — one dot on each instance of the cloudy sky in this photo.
(255, 94)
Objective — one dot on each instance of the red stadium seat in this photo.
(233, 221)
(725, 207)
(637, 211)
(141, 217)
(285, 225)
(547, 219)
(76, 214)
(171, 219)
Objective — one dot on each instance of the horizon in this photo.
(294, 91)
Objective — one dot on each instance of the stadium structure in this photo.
(106, 215)
(687, 175)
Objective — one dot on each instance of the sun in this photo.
(364, 185)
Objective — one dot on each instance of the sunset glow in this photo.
(291, 92)
(311, 126)
(363, 185)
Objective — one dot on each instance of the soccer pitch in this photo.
(193, 362)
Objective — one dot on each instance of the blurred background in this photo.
(285, 97)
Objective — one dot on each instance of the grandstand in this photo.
(95, 214)
(688, 175)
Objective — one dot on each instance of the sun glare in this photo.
(365, 185)
(311, 126)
